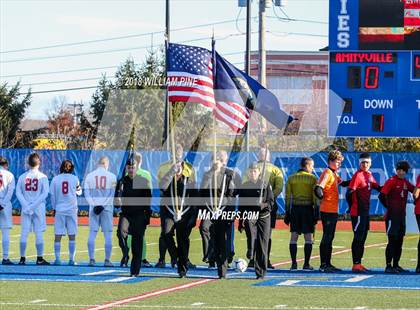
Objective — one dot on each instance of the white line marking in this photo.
(289, 282)
(120, 279)
(357, 279)
(280, 306)
(148, 295)
(197, 304)
(98, 272)
(36, 301)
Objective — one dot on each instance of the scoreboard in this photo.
(374, 74)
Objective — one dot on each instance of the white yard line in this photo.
(98, 272)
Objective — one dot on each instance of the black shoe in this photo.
(191, 265)
(418, 269)
(260, 277)
(390, 269)
(22, 261)
(136, 275)
(251, 263)
(7, 262)
(307, 267)
(41, 261)
(124, 261)
(401, 269)
(160, 264)
(182, 275)
(333, 268)
(173, 263)
(222, 277)
(294, 266)
(323, 268)
(270, 266)
(145, 264)
(212, 264)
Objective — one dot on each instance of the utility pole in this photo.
(248, 65)
(77, 107)
(261, 52)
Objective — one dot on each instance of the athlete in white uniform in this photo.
(99, 188)
(64, 190)
(32, 190)
(7, 186)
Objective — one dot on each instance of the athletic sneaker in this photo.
(92, 263)
(358, 268)
(7, 261)
(41, 261)
(389, 269)
(323, 268)
(124, 261)
(145, 264)
(57, 262)
(173, 262)
(160, 264)
(107, 263)
(294, 266)
(72, 263)
(191, 265)
(307, 267)
(332, 268)
(401, 269)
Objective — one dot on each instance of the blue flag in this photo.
(236, 90)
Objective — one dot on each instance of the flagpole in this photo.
(215, 204)
(168, 107)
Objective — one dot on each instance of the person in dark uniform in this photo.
(206, 225)
(219, 177)
(358, 198)
(135, 196)
(252, 200)
(394, 196)
(179, 215)
(274, 176)
(302, 210)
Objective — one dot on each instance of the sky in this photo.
(39, 37)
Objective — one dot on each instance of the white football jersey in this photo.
(7, 186)
(64, 190)
(32, 190)
(99, 188)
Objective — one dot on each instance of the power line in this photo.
(55, 72)
(59, 90)
(153, 33)
(62, 81)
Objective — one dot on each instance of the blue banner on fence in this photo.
(85, 161)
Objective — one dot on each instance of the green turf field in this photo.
(218, 294)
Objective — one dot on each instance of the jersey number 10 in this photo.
(100, 182)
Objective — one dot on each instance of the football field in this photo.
(83, 287)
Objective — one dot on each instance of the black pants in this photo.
(221, 231)
(207, 238)
(329, 223)
(137, 227)
(122, 242)
(251, 236)
(230, 242)
(395, 228)
(360, 225)
(261, 245)
(167, 235)
(273, 219)
(183, 230)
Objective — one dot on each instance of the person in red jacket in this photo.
(358, 198)
(394, 197)
(417, 212)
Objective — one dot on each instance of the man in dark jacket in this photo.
(256, 207)
(135, 197)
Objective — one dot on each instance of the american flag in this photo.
(191, 80)
(190, 74)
